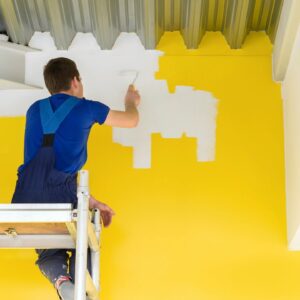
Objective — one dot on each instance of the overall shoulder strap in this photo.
(52, 120)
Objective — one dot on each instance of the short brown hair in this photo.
(58, 74)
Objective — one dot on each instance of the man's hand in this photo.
(132, 96)
(105, 211)
(128, 118)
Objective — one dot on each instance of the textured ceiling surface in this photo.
(148, 18)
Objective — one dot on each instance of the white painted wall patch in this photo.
(187, 111)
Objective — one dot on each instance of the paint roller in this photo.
(130, 74)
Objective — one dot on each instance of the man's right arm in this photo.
(128, 118)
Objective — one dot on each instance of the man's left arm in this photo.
(105, 211)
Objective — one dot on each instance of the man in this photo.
(56, 135)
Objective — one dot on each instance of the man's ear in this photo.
(74, 82)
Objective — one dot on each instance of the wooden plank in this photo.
(90, 287)
(92, 238)
(72, 230)
(35, 228)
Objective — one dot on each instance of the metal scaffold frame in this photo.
(51, 226)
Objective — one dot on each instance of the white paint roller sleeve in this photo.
(132, 75)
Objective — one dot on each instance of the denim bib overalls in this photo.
(39, 181)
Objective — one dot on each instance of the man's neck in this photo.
(65, 92)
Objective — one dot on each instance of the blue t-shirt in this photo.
(70, 143)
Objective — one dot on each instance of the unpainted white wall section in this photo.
(285, 38)
(291, 96)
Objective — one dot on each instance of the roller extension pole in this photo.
(82, 236)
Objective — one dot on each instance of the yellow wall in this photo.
(186, 230)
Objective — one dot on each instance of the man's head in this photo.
(61, 76)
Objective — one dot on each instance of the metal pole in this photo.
(95, 255)
(82, 236)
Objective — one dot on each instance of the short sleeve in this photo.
(98, 110)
